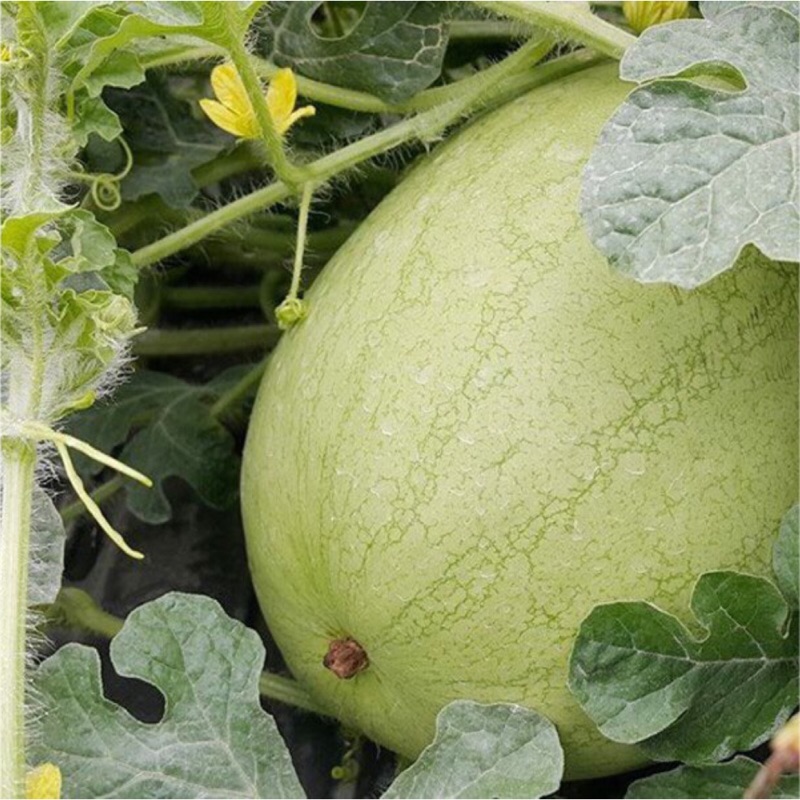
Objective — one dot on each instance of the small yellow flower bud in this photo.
(43, 783)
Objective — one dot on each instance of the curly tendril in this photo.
(104, 186)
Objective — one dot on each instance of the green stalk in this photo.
(568, 21)
(242, 158)
(196, 231)
(475, 91)
(31, 35)
(302, 227)
(19, 461)
(238, 391)
(287, 172)
(204, 341)
(485, 30)
(178, 55)
(25, 389)
(76, 609)
(203, 297)
(286, 690)
(292, 309)
(99, 495)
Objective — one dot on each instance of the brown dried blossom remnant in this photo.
(785, 758)
(345, 658)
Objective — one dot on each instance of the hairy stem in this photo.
(481, 90)
(300, 249)
(19, 461)
(569, 21)
(485, 30)
(196, 231)
(273, 141)
(37, 190)
(25, 387)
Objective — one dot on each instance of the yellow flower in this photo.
(643, 15)
(43, 783)
(6, 53)
(232, 111)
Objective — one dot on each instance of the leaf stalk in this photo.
(568, 21)
(511, 76)
(19, 461)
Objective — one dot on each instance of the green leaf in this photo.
(122, 275)
(62, 20)
(786, 556)
(169, 137)
(393, 51)
(717, 780)
(167, 430)
(643, 678)
(169, 14)
(158, 19)
(72, 30)
(214, 739)
(47, 550)
(17, 233)
(683, 177)
(92, 261)
(120, 68)
(485, 751)
(92, 115)
(93, 244)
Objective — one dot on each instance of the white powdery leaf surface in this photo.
(214, 739)
(728, 780)
(645, 679)
(47, 551)
(496, 750)
(684, 176)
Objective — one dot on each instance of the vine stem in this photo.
(163, 343)
(289, 173)
(292, 309)
(299, 253)
(569, 21)
(238, 391)
(19, 461)
(76, 609)
(474, 91)
(25, 387)
(203, 297)
(286, 690)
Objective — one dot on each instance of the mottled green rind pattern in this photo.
(481, 432)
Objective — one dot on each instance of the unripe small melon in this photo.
(481, 432)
